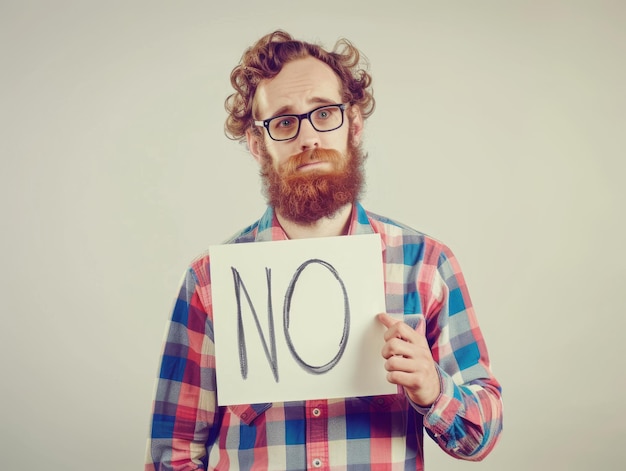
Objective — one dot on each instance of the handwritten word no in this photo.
(270, 350)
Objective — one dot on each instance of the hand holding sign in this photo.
(409, 361)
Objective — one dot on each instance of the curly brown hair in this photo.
(266, 58)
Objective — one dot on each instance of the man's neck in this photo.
(326, 227)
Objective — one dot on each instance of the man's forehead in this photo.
(301, 83)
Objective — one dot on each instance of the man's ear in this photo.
(254, 145)
(357, 124)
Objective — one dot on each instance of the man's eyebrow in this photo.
(288, 109)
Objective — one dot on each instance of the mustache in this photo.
(311, 155)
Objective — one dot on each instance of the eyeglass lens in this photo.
(325, 118)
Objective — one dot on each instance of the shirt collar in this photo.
(270, 229)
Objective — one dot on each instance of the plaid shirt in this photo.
(423, 281)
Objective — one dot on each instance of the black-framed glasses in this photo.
(287, 126)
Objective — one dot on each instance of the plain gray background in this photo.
(499, 129)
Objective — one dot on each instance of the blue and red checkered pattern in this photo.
(423, 281)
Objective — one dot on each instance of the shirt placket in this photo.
(317, 435)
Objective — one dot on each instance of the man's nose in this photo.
(308, 137)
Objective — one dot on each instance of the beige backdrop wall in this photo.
(499, 130)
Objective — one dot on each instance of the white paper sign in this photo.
(295, 320)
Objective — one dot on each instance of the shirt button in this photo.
(317, 463)
(316, 412)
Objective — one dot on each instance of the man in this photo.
(301, 111)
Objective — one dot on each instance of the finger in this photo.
(396, 328)
(386, 320)
(397, 347)
(401, 378)
(402, 331)
(401, 364)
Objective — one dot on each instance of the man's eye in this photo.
(285, 122)
(323, 114)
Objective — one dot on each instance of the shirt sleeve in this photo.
(466, 419)
(185, 414)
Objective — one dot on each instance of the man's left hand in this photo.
(409, 362)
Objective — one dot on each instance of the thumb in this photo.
(386, 320)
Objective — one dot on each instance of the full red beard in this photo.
(305, 197)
